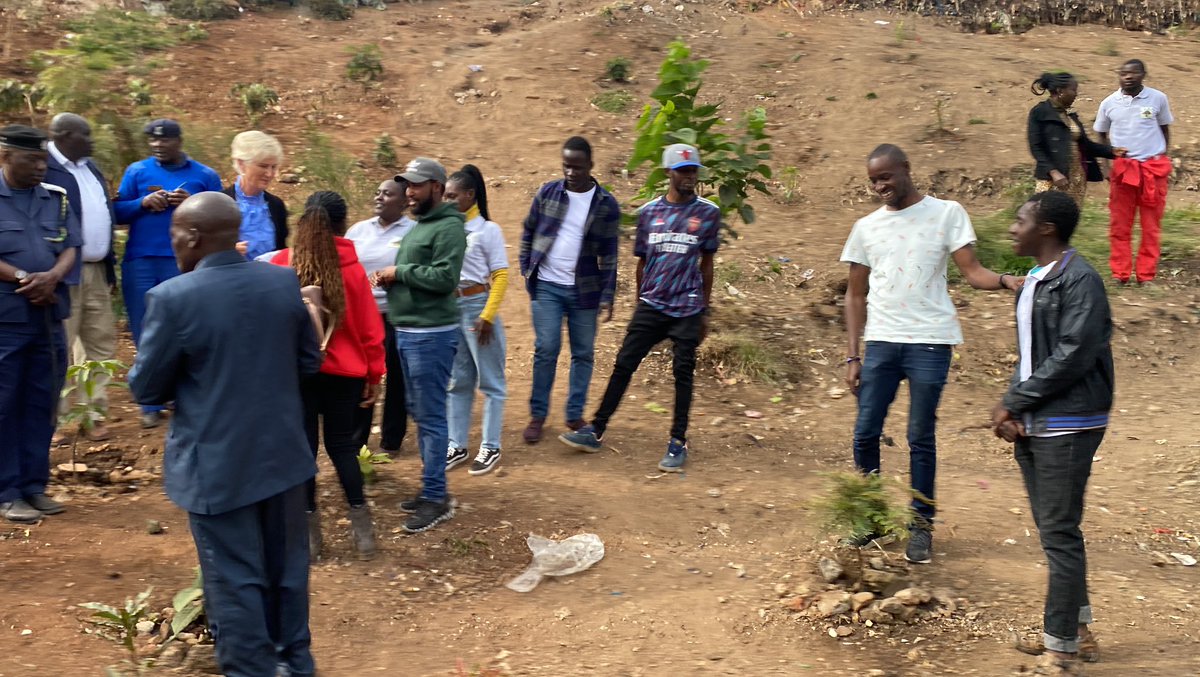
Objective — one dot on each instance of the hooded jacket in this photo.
(355, 349)
(428, 265)
(1072, 384)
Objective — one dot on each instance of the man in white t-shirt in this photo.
(1138, 118)
(897, 292)
(569, 262)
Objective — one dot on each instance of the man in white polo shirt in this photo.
(1137, 118)
(92, 321)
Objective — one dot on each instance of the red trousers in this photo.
(1125, 200)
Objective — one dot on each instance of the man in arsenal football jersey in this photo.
(677, 236)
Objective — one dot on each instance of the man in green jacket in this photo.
(423, 309)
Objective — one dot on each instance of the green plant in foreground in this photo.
(120, 623)
(617, 69)
(256, 98)
(613, 102)
(857, 505)
(194, 33)
(734, 165)
(367, 462)
(365, 65)
(188, 604)
(86, 378)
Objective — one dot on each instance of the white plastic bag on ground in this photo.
(557, 558)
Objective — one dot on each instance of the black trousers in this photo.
(1056, 471)
(334, 401)
(394, 424)
(647, 328)
(255, 565)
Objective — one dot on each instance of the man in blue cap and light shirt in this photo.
(677, 236)
(39, 240)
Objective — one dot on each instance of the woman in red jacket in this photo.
(349, 378)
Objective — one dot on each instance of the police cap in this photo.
(22, 137)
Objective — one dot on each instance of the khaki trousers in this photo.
(91, 330)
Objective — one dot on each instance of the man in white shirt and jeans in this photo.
(91, 327)
(897, 293)
(1137, 118)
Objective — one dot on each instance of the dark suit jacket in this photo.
(229, 343)
(1050, 144)
(57, 175)
(279, 216)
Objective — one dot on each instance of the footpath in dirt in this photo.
(709, 571)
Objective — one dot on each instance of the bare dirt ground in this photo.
(697, 564)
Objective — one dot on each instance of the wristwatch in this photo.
(20, 275)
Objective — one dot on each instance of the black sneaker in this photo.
(485, 461)
(410, 506)
(428, 515)
(920, 545)
(454, 456)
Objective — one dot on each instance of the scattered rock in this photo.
(145, 627)
(844, 631)
(876, 616)
(830, 569)
(172, 655)
(289, 178)
(946, 599)
(202, 659)
(154, 527)
(832, 603)
(877, 563)
(892, 606)
(878, 580)
(913, 596)
(861, 599)
(715, 493)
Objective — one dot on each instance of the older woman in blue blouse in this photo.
(256, 157)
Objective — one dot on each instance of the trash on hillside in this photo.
(557, 558)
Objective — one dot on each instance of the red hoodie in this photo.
(356, 347)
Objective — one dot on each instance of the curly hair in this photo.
(1059, 209)
(314, 253)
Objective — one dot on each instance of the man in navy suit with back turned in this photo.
(229, 342)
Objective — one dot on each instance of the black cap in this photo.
(22, 137)
(163, 128)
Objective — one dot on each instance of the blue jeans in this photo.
(885, 365)
(551, 303)
(33, 364)
(476, 365)
(139, 276)
(428, 358)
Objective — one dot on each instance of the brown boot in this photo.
(533, 431)
(1053, 665)
(362, 531)
(98, 432)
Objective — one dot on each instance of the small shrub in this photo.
(858, 505)
(139, 93)
(789, 185)
(385, 151)
(871, 96)
(613, 102)
(256, 98)
(617, 69)
(202, 10)
(120, 623)
(1108, 48)
(366, 64)
(743, 355)
(977, 121)
(367, 462)
(194, 33)
(330, 10)
(728, 273)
